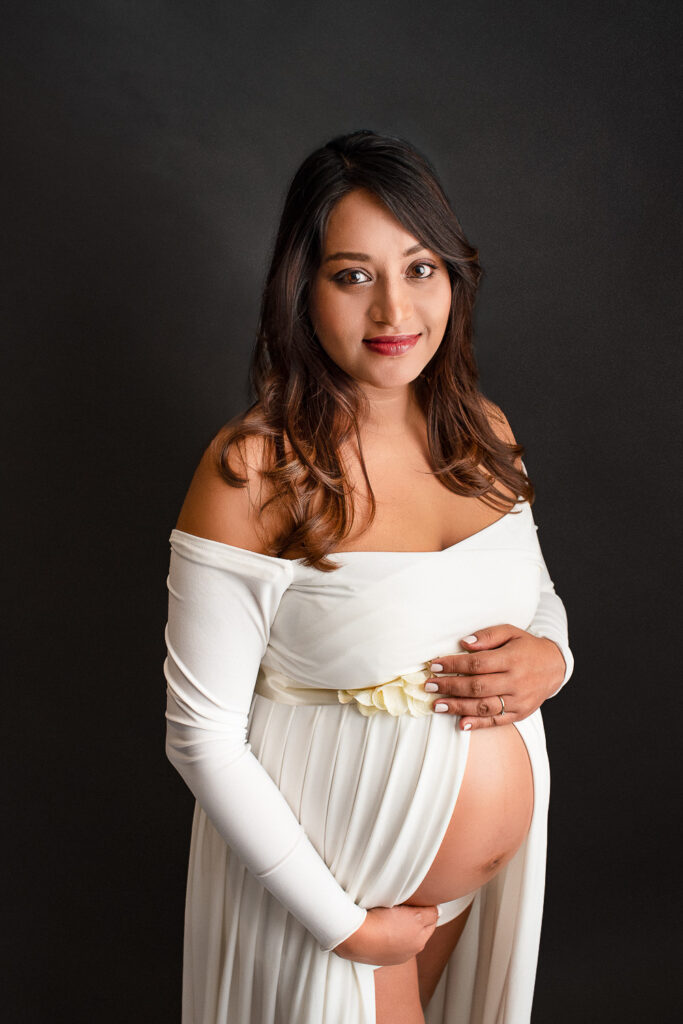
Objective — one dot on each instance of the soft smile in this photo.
(391, 344)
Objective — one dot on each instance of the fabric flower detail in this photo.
(404, 695)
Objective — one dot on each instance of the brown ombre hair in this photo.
(306, 407)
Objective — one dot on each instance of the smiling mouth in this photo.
(391, 344)
(393, 338)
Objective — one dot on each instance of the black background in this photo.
(147, 147)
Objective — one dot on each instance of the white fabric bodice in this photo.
(383, 613)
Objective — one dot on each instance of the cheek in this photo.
(440, 306)
(331, 316)
(321, 308)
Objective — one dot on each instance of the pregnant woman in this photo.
(361, 632)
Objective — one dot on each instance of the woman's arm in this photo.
(550, 619)
(222, 601)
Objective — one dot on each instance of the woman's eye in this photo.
(345, 276)
(427, 268)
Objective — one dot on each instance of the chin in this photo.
(397, 379)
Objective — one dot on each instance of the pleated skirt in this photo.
(375, 796)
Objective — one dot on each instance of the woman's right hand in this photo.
(389, 935)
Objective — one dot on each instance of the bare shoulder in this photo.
(216, 510)
(498, 421)
(499, 425)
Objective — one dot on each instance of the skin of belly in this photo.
(490, 820)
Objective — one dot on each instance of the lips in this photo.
(394, 338)
(391, 344)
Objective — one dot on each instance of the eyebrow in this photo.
(364, 256)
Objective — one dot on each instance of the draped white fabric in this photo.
(324, 812)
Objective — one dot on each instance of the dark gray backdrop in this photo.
(147, 147)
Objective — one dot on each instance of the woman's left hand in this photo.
(502, 661)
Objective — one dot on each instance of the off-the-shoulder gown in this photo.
(308, 810)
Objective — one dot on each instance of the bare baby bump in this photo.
(490, 821)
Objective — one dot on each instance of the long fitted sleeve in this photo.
(550, 619)
(222, 602)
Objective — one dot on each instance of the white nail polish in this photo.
(436, 667)
(469, 639)
(441, 707)
(432, 687)
(466, 726)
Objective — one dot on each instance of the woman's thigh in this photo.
(403, 991)
(397, 994)
(434, 957)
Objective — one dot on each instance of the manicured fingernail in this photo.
(469, 639)
(441, 707)
(432, 687)
(466, 726)
(436, 667)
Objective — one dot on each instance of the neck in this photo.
(393, 412)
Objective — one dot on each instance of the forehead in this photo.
(361, 217)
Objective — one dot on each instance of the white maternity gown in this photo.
(308, 813)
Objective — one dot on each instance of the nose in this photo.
(391, 303)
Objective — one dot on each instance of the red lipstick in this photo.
(391, 344)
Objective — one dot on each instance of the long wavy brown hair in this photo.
(306, 407)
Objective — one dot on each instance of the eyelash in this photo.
(356, 270)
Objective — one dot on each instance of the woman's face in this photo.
(377, 281)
